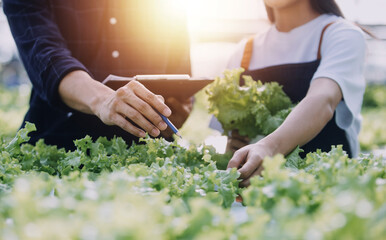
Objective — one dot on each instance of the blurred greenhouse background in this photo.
(215, 28)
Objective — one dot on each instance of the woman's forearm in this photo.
(307, 119)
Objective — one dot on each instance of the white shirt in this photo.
(343, 53)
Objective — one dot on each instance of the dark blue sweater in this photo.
(121, 37)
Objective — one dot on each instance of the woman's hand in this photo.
(133, 108)
(236, 141)
(181, 111)
(249, 161)
(305, 121)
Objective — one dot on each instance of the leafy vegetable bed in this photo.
(160, 190)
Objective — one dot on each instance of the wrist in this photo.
(81, 92)
(271, 143)
(99, 98)
(279, 142)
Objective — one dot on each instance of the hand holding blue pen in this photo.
(170, 124)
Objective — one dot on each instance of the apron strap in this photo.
(319, 56)
(247, 54)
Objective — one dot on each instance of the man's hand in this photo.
(181, 111)
(133, 108)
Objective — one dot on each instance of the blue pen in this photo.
(170, 124)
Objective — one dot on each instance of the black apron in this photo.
(295, 79)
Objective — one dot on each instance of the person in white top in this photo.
(318, 57)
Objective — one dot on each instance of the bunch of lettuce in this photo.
(253, 108)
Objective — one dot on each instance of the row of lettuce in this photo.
(160, 190)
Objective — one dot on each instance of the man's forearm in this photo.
(132, 101)
(80, 92)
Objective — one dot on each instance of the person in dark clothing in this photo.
(69, 47)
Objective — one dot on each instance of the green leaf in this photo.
(21, 137)
(294, 160)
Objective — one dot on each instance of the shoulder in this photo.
(343, 48)
(344, 33)
(342, 24)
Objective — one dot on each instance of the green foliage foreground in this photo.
(160, 190)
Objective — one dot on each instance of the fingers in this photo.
(161, 98)
(248, 160)
(127, 126)
(251, 165)
(259, 171)
(139, 119)
(149, 97)
(238, 158)
(144, 112)
(136, 103)
(247, 181)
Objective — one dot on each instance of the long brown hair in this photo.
(322, 7)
